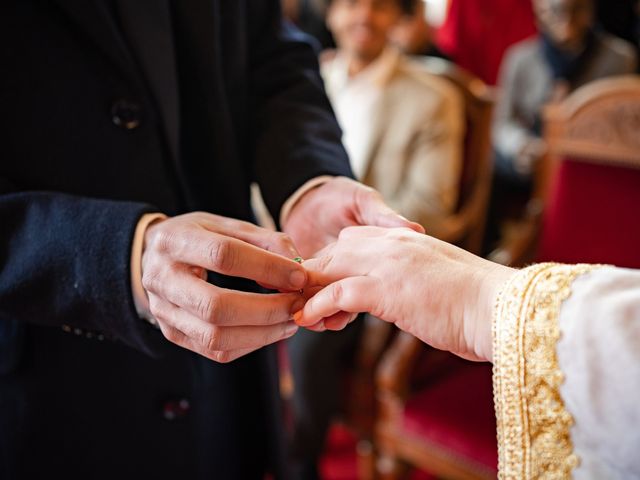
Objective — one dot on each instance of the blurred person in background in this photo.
(476, 33)
(309, 16)
(413, 35)
(403, 130)
(568, 53)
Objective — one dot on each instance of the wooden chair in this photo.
(587, 188)
(422, 394)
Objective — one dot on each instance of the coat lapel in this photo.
(147, 27)
(92, 18)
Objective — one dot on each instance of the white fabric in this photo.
(599, 354)
(354, 100)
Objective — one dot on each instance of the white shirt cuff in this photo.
(140, 299)
(298, 194)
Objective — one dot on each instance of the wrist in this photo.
(488, 283)
(140, 299)
(298, 195)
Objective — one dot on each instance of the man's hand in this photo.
(219, 323)
(319, 216)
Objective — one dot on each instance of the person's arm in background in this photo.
(513, 141)
(431, 182)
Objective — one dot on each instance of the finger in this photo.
(318, 327)
(374, 211)
(332, 267)
(353, 295)
(350, 256)
(180, 339)
(205, 338)
(233, 257)
(225, 307)
(339, 321)
(264, 238)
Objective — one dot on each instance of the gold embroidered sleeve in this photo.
(533, 425)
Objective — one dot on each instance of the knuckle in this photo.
(269, 271)
(172, 335)
(222, 357)
(379, 309)
(207, 307)
(221, 255)
(162, 239)
(283, 240)
(365, 192)
(214, 340)
(151, 279)
(324, 263)
(271, 335)
(337, 293)
(347, 232)
(273, 314)
(155, 307)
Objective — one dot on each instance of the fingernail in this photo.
(291, 329)
(297, 279)
(297, 316)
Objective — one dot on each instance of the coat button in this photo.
(125, 114)
(175, 409)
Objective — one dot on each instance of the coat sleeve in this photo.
(298, 137)
(65, 260)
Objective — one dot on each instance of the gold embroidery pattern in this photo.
(533, 425)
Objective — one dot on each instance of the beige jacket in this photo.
(414, 155)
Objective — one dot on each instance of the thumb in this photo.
(374, 211)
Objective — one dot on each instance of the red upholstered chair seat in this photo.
(592, 215)
(455, 415)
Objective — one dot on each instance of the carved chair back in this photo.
(590, 178)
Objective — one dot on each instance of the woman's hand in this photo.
(431, 289)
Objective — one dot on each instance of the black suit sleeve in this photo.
(298, 135)
(66, 260)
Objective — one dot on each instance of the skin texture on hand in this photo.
(219, 323)
(433, 290)
(319, 216)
